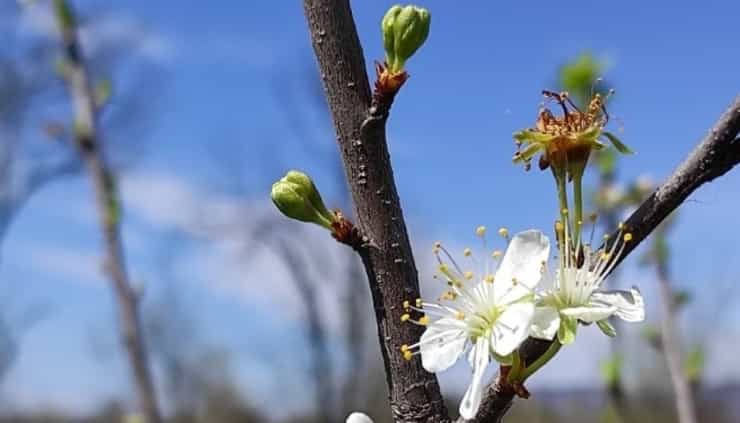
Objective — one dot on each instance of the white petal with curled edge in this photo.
(471, 400)
(590, 313)
(441, 344)
(358, 417)
(512, 327)
(521, 268)
(629, 304)
(545, 323)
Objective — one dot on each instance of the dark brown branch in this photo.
(389, 263)
(89, 144)
(715, 155)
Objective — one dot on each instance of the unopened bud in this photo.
(296, 196)
(404, 30)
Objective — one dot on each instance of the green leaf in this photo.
(619, 145)
(694, 366)
(567, 330)
(681, 298)
(611, 370)
(103, 92)
(64, 15)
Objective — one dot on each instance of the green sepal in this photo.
(567, 330)
(528, 135)
(504, 360)
(528, 152)
(619, 145)
(607, 328)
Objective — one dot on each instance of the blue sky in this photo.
(230, 73)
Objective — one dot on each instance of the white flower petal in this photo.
(521, 268)
(512, 327)
(545, 323)
(630, 305)
(358, 417)
(441, 344)
(590, 313)
(471, 400)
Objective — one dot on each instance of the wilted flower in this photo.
(567, 141)
(485, 313)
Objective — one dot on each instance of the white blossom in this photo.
(487, 314)
(577, 296)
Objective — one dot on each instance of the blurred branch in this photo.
(671, 347)
(389, 264)
(89, 144)
(714, 156)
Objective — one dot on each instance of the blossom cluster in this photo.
(487, 313)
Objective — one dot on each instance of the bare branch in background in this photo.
(89, 144)
(672, 347)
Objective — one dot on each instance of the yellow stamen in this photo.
(418, 302)
(467, 252)
(407, 355)
(480, 231)
(406, 305)
(468, 275)
(460, 315)
(489, 278)
(405, 317)
(424, 320)
(627, 237)
(496, 254)
(503, 232)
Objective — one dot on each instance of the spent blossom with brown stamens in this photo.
(566, 141)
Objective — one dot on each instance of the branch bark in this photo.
(389, 264)
(89, 144)
(715, 155)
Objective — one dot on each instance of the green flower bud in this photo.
(387, 27)
(296, 196)
(404, 30)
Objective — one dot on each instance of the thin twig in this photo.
(89, 144)
(671, 348)
(714, 156)
(389, 264)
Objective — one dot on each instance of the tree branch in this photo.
(715, 155)
(89, 144)
(414, 393)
